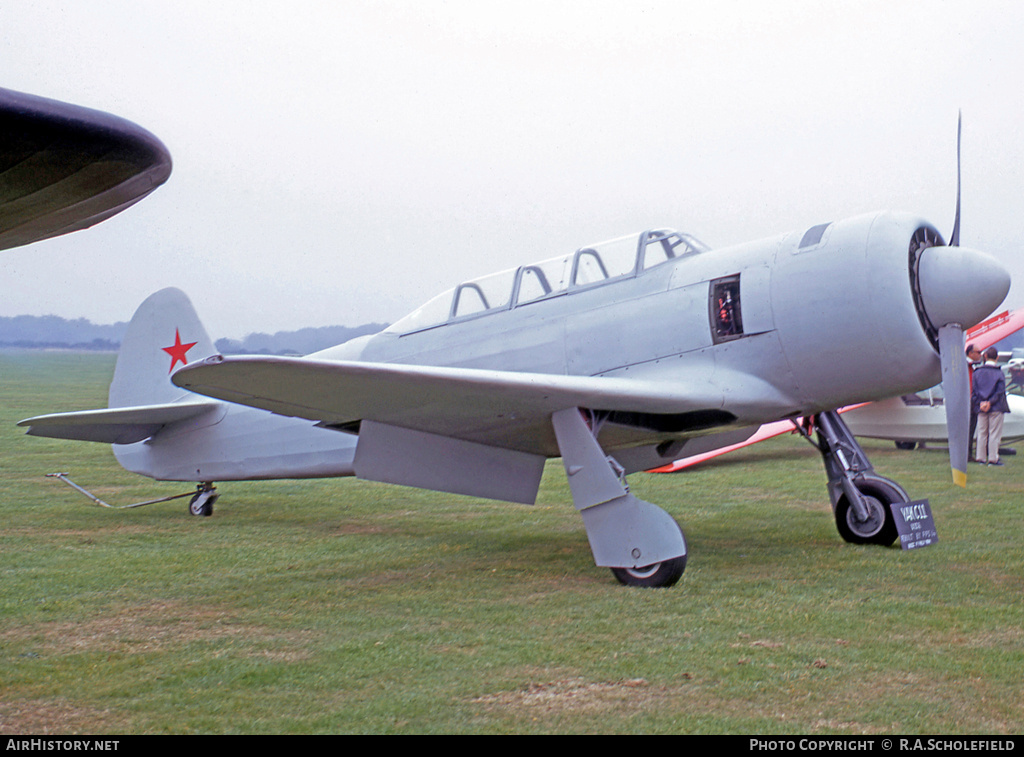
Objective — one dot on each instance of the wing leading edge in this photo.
(496, 408)
(64, 168)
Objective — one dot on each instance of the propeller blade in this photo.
(954, 240)
(956, 384)
(956, 389)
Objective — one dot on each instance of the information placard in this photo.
(915, 524)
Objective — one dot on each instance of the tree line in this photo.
(54, 332)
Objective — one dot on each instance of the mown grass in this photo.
(346, 606)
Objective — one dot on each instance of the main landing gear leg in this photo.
(860, 498)
(202, 501)
(640, 542)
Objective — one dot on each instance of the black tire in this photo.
(205, 509)
(880, 528)
(658, 575)
(906, 445)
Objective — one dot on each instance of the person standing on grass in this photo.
(973, 361)
(988, 397)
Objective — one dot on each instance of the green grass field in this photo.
(343, 606)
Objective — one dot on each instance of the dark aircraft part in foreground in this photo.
(64, 168)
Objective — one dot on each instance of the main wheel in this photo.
(880, 526)
(659, 574)
(906, 445)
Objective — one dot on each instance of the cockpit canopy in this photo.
(589, 266)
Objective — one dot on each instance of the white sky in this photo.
(341, 162)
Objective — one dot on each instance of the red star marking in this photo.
(177, 351)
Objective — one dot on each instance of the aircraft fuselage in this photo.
(826, 324)
(817, 319)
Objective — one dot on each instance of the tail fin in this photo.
(164, 334)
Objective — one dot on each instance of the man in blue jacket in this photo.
(988, 398)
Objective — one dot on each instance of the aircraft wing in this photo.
(120, 425)
(996, 328)
(65, 168)
(496, 408)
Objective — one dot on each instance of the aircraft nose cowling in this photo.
(960, 285)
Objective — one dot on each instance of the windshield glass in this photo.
(606, 260)
(544, 279)
(488, 293)
(664, 245)
(432, 313)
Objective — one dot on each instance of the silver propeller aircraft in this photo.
(616, 357)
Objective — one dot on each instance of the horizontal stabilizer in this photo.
(65, 168)
(122, 425)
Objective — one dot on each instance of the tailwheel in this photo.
(202, 502)
(660, 574)
(880, 526)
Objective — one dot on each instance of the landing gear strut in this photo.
(640, 542)
(860, 498)
(202, 501)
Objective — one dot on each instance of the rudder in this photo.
(165, 333)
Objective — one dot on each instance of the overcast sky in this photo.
(341, 162)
